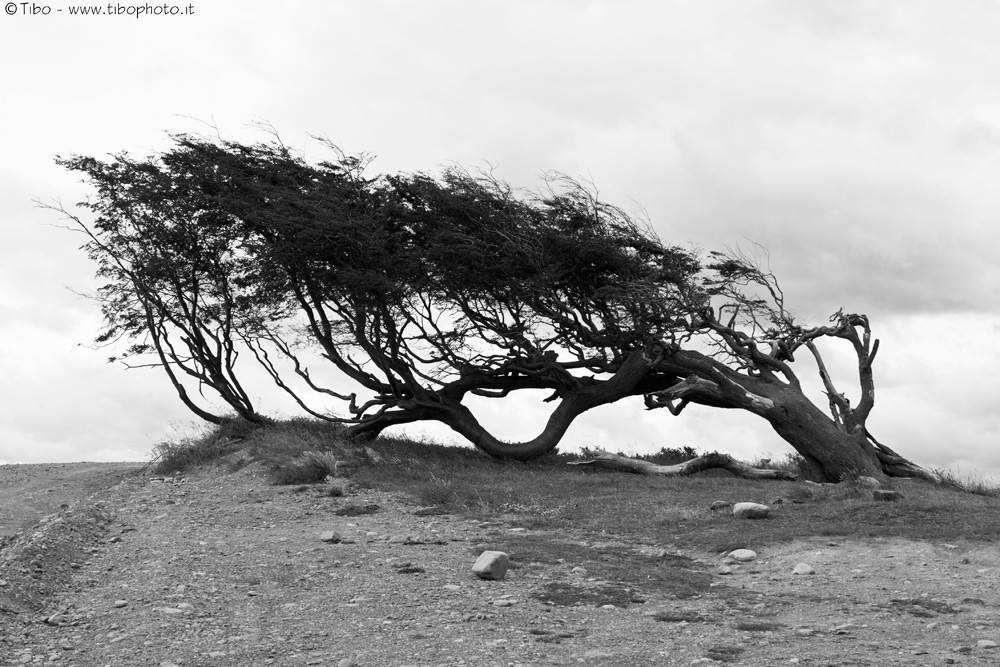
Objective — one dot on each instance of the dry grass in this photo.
(548, 494)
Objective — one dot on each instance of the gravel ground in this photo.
(221, 568)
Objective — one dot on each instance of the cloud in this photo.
(858, 141)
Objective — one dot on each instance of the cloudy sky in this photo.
(858, 141)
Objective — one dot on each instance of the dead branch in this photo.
(603, 459)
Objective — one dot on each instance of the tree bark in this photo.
(602, 459)
(574, 403)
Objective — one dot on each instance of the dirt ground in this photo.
(220, 568)
(30, 491)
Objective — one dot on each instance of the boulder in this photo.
(742, 555)
(750, 510)
(491, 565)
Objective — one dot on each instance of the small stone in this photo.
(347, 663)
(121, 603)
(750, 510)
(331, 537)
(504, 602)
(491, 565)
(803, 568)
(805, 632)
(719, 505)
(868, 482)
(743, 555)
(400, 539)
(169, 611)
(579, 571)
(886, 496)
(452, 587)
(724, 570)
(986, 644)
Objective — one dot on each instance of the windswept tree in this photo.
(425, 290)
(170, 270)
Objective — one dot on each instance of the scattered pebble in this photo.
(803, 568)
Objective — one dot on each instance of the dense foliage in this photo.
(424, 290)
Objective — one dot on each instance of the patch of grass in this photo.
(923, 607)
(189, 452)
(758, 626)
(356, 510)
(568, 595)
(724, 653)
(667, 574)
(307, 468)
(680, 617)
(608, 506)
(552, 637)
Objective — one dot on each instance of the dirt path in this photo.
(30, 491)
(222, 569)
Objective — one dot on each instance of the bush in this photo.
(193, 451)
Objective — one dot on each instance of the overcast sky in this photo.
(858, 141)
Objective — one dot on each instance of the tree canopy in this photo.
(425, 290)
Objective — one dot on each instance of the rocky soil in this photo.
(220, 568)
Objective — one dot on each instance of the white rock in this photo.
(803, 568)
(491, 565)
(743, 555)
(986, 643)
(750, 510)
(869, 482)
(330, 536)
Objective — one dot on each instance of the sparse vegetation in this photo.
(672, 513)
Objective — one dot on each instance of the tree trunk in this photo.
(836, 454)
(603, 459)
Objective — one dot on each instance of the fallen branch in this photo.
(603, 459)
